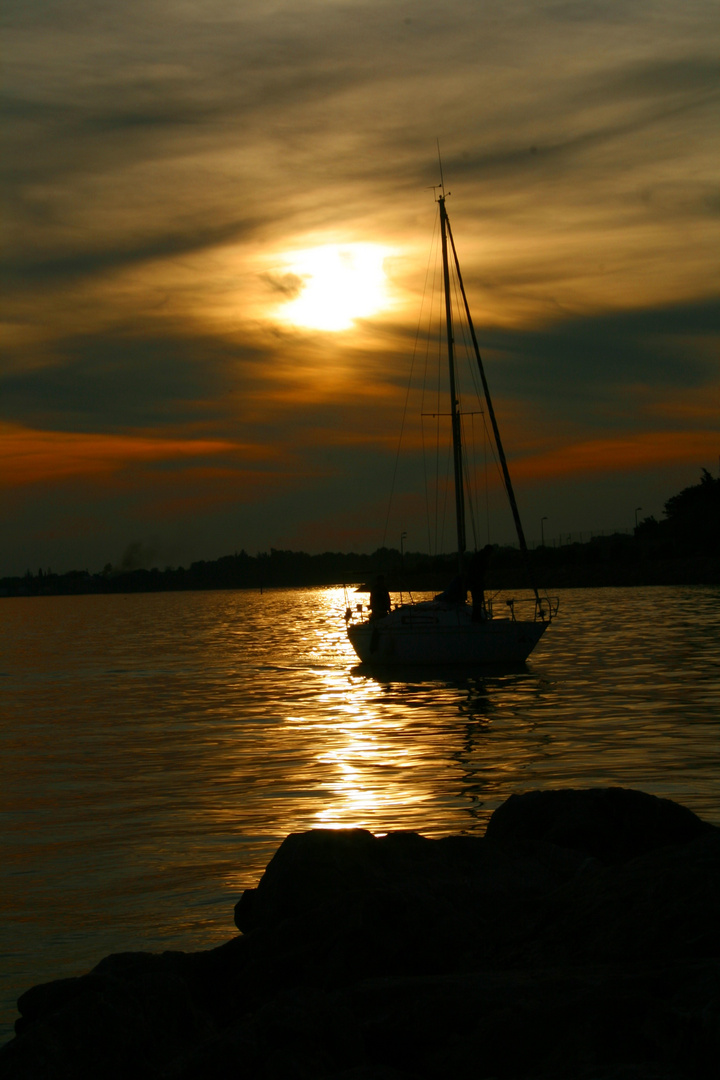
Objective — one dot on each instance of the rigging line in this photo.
(486, 443)
(477, 391)
(425, 485)
(446, 490)
(404, 418)
(437, 302)
(431, 257)
(476, 486)
(443, 450)
(437, 308)
(430, 517)
(397, 456)
(463, 328)
(407, 395)
(439, 521)
(463, 352)
(469, 485)
(496, 432)
(456, 439)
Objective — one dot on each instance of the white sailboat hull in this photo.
(433, 635)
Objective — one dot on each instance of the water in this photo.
(155, 749)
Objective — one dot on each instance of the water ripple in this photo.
(156, 749)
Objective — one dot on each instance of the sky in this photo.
(216, 224)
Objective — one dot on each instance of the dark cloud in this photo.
(697, 74)
(548, 154)
(615, 347)
(123, 381)
(82, 262)
(588, 361)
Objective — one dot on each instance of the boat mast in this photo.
(454, 407)
(491, 413)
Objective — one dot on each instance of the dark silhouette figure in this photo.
(455, 592)
(379, 599)
(476, 581)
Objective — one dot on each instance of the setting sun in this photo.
(329, 287)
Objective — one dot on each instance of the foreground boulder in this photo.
(579, 938)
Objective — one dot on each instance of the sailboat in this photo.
(447, 629)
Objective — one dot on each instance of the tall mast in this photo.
(491, 412)
(454, 408)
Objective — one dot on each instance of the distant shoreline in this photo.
(682, 549)
(701, 570)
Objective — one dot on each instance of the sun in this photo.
(330, 286)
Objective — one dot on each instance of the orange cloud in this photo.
(644, 450)
(28, 456)
(696, 405)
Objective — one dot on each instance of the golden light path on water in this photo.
(156, 749)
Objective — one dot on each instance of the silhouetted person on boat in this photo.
(476, 581)
(379, 599)
(455, 592)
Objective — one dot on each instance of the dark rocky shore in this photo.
(580, 937)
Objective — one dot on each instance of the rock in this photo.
(610, 824)
(661, 908)
(338, 906)
(125, 1018)
(579, 938)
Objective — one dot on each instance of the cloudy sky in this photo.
(217, 218)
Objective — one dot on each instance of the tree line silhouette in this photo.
(682, 548)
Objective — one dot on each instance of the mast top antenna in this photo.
(441, 186)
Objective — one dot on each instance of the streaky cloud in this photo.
(97, 259)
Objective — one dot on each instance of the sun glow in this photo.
(329, 287)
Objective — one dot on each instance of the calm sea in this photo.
(155, 749)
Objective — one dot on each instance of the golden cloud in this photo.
(29, 456)
(622, 454)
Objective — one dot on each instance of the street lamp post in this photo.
(542, 531)
(637, 511)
